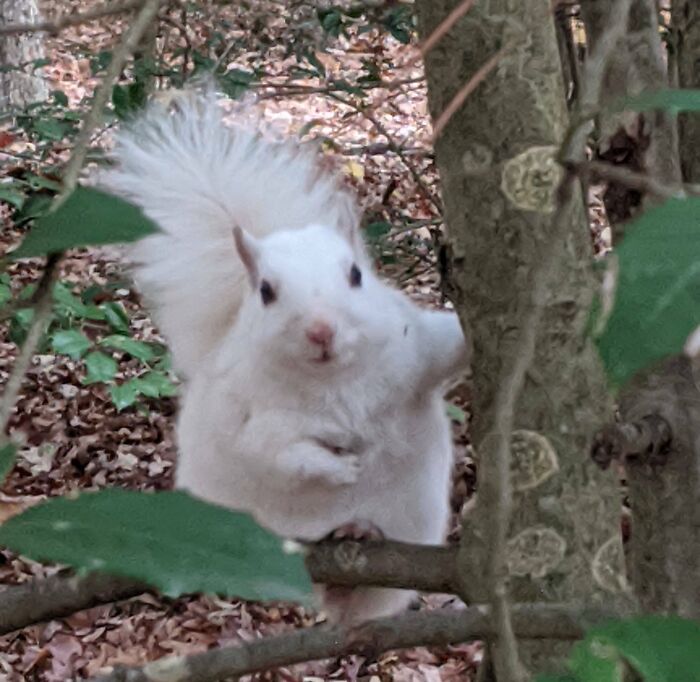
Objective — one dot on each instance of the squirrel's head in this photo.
(315, 304)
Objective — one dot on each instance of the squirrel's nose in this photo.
(320, 334)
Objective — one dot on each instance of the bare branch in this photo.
(427, 568)
(413, 629)
(61, 21)
(444, 26)
(42, 310)
(58, 596)
(70, 180)
(625, 176)
(386, 564)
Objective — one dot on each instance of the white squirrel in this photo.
(313, 394)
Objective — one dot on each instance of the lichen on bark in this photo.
(495, 241)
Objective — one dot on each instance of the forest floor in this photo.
(77, 440)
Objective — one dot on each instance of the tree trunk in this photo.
(21, 85)
(496, 161)
(686, 31)
(642, 143)
(664, 491)
(664, 548)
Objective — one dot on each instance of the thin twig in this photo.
(625, 176)
(467, 90)
(437, 628)
(70, 180)
(395, 147)
(42, 311)
(443, 27)
(495, 485)
(62, 21)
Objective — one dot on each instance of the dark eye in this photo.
(267, 293)
(355, 276)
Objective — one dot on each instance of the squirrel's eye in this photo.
(355, 276)
(267, 293)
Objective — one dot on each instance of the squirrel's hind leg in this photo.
(350, 606)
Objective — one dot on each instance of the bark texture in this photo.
(686, 43)
(642, 143)
(23, 85)
(664, 547)
(496, 160)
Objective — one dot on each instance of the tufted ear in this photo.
(248, 252)
(349, 221)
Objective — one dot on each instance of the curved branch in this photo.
(437, 628)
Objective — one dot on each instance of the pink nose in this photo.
(320, 334)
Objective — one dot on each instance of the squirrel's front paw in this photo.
(346, 471)
(319, 464)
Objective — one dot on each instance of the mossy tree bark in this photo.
(645, 142)
(496, 160)
(686, 43)
(664, 548)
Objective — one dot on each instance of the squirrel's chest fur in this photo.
(234, 423)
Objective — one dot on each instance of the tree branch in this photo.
(60, 595)
(386, 564)
(70, 180)
(598, 170)
(427, 568)
(437, 628)
(61, 21)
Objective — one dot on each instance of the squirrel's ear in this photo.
(349, 220)
(248, 252)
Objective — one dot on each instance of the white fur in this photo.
(305, 446)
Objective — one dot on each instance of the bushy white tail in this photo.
(196, 178)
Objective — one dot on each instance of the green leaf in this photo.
(128, 99)
(375, 231)
(235, 82)
(50, 128)
(5, 294)
(604, 665)
(657, 298)
(35, 205)
(331, 20)
(8, 455)
(170, 540)
(19, 325)
(100, 61)
(155, 385)
(100, 368)
(659, 649)
(124, 395)
(12, 195)
(70, 342)
(138, 349)
(667, 100)
(60, 97)
(66, 300)
(87, 217)
(455, 413)
(116, 316)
